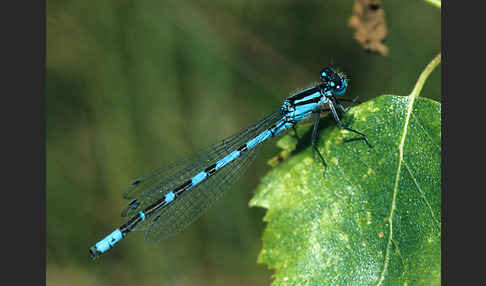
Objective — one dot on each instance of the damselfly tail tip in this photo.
(94, 253)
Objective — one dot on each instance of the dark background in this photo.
(132, 85)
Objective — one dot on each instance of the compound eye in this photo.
(340, 88)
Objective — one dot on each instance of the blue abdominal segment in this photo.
(233, 155)
(198, 178)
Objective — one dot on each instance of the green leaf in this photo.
(375, 217)
(436, 3)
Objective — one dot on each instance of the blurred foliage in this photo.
(132, 85)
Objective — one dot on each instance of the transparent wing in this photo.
(148, 189)
(214, 152)
(193, 203)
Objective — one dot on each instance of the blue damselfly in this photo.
(169, 199)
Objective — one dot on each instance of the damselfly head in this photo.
(335, 80)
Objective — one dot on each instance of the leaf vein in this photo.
(395, 188)
(426, 132)
(422, 194)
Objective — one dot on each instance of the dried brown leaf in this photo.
(368, 20)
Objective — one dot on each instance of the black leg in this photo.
(340, 124)
(344, 110)
(353, 101)
(315, 133)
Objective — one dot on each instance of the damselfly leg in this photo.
(341, 107)
(341, 125)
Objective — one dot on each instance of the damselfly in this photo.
(168, 200)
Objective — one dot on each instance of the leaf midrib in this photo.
(395, 187)
(413, 95)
